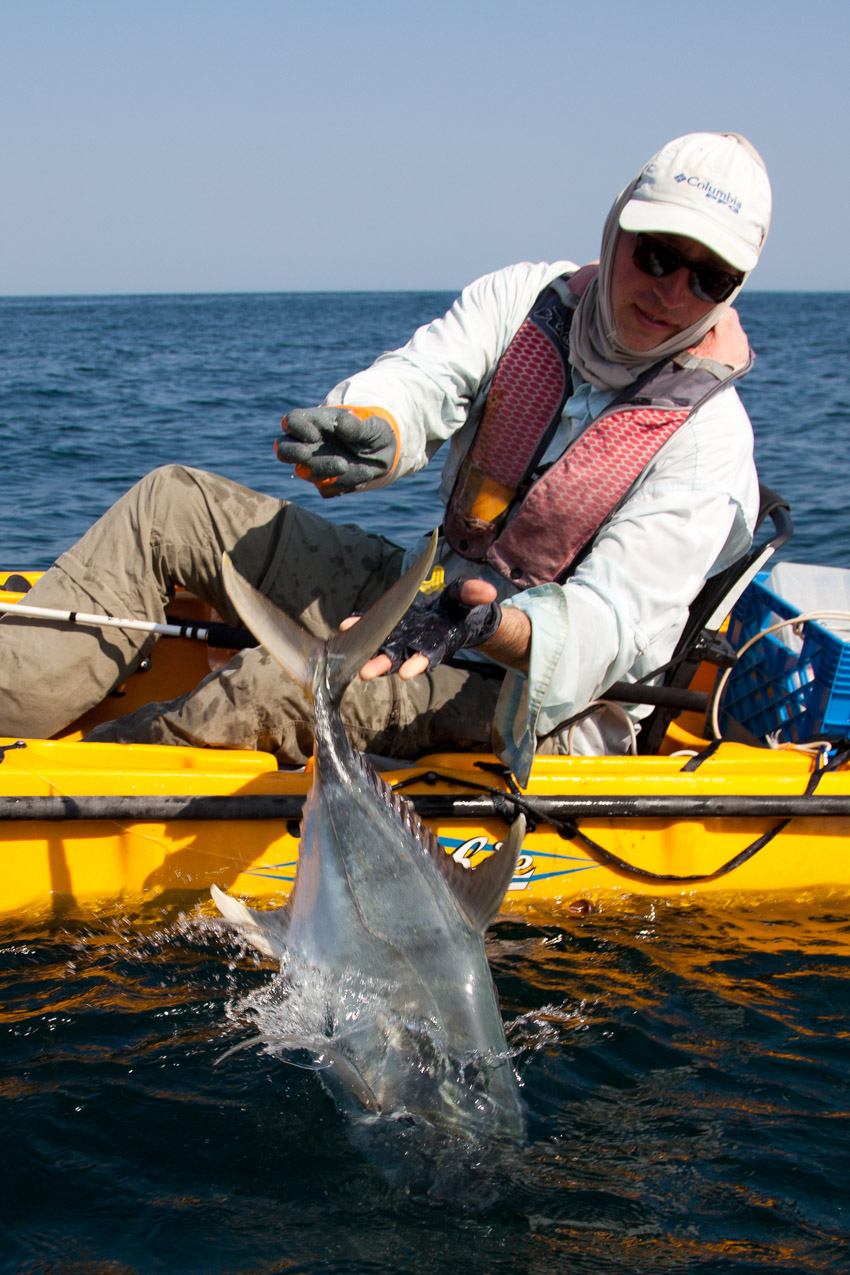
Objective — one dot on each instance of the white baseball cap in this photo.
(712, 187)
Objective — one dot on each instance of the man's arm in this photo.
(424, 389)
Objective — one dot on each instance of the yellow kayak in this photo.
(87, 823)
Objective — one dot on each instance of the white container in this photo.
(808, 587)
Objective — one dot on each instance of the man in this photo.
(599, 469)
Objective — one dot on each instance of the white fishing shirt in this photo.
(688, 516)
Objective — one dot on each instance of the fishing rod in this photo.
(218, 634)
(213, 632)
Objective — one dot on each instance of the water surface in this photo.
(685, 1071)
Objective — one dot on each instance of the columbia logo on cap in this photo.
(711, 192)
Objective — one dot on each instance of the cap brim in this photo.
(645, 215)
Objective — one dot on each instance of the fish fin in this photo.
(480, 891)
(346, 1071)
(349, 651)
(295, 650)
(267, 931)
(324, 1058)
(298, 652)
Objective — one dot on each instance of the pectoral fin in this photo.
(349, 1076)
(323, 1058)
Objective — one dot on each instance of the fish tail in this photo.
(349, 651)
(303, 656)
(297, 652)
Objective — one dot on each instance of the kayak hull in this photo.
(148, 844)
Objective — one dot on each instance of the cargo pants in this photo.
(171, 529)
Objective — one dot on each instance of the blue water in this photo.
(98, 391)
(686, 1068)
(94, 392)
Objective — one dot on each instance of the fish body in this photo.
(381, 919)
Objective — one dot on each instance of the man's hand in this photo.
(465, 614)
(339, 449)
(510, 644)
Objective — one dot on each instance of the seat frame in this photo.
(701, 639)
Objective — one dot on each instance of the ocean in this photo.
(686, 1067)
(97, 391)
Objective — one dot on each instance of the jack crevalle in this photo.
(382, 922)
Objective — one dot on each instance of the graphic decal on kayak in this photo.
(540, 866)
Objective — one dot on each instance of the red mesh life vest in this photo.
(532, 530)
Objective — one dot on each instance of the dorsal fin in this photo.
(478, 892)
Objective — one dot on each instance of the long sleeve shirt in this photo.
(688, 516)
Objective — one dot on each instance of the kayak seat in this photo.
(16, 584)
(701, 639)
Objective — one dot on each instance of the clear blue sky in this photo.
(268, 145)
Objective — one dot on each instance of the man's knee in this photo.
(170, 486)
(192, 509)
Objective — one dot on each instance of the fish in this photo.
(382, 939)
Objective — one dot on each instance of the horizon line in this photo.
(301, 292)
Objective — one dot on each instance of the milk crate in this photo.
(793, 689)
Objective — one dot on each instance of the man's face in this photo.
(649, 311)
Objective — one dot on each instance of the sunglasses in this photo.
(658, 259)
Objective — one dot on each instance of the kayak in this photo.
(89, 823)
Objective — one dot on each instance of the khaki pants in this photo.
(171, 529)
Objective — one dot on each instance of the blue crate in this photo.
(773, 689)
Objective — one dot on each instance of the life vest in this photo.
(532, 530)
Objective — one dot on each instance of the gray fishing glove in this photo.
(438, 625)
(339, 449)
